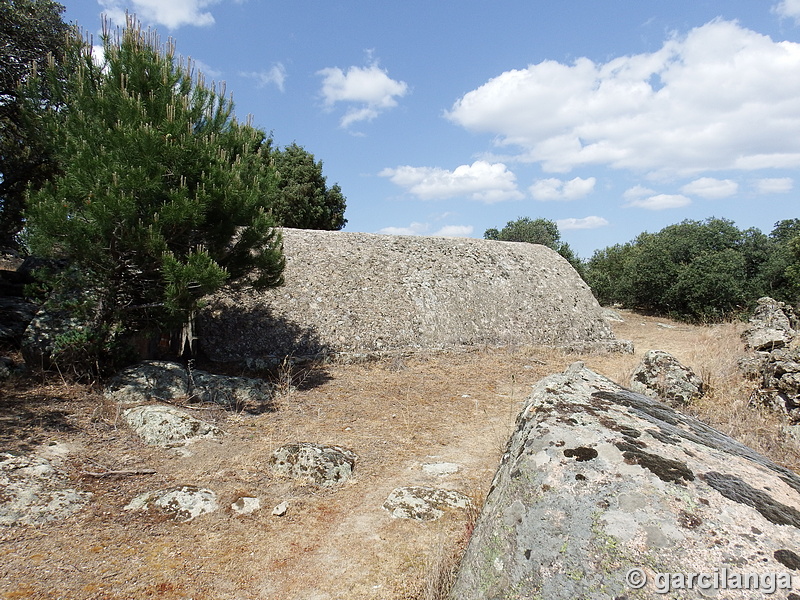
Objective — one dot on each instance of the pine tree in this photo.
(162, 195)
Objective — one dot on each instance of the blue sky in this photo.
(446, 117)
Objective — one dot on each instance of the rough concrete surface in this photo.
(357, 292)
(602, 490)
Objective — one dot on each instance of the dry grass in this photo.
(397, 415)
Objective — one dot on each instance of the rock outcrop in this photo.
(771, 326)
(423, 503)
(602, 491)
(660, 375)
(364, 293)
(184, 503)
(322, 465)
(166, 426)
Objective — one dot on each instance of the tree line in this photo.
(694, 270)
(133, 174)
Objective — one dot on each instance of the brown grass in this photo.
(397, 415)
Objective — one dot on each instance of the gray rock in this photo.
(246, 505)
(230, 391)
(322, 465)
(40, 340)
(15, 316)
(441, 469)
(770, 326)
(661, 376)
(349, 293)
(34, 491)
(778, 376)
(155, 380)
(152, 380)
(609, 314)
(423, 503)
(598, 480)
(280, 509)
(184, 503)
(167, 426)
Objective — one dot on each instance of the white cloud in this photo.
(592, 222)
(170, 13)
(660, 202)
(720, 97)
(637, 191)
(774, 185)
(487, 182)
(556, 189)
(369, 91)
(789, 9)
(416, 228)
(708, 187)
(276, 76)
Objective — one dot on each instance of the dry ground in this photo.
(396, 415)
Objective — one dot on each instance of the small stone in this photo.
(246, 505)
(281, 509)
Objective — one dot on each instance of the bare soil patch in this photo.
(397, 415)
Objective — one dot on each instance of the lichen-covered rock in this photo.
(355, 292)
(34, 491)
(167, 426)
(151, 380)
(184, 503)
(41, 337)
(156, 380)
(599, 483)
(230, 391)
(423, 503)
(770, 326)
(778, 375)
(660, 375)
(323, 465)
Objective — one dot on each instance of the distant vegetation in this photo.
(699, 270)
(694, 271)
(136, 174)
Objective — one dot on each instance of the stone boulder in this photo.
(602, 490)
(326, 466)
(15, 315)
(771, 326)
(358, 293)
(661, 376)
(778, 377)
(40, 340)
(33, 491)
(163, 381)
(183, 503)
(166, 426)
(424, 503)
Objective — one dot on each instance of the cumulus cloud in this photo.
(483, 181)
(416, 228)
(592, 222)
(660, 201)
(275, 75)
(720, 97)
(789, 9)
(708, 187)
(556, 189)
(368, 91)
(774, 185)
(170, 13)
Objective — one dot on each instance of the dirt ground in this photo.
(396, 415)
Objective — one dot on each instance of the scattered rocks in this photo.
(184, 503)
(771, 326)
(322, 465)
(423, 503)
(778, 377)
(166, 426)
(155, 380)
(246, 505)
(598, 480)
(661, 376)
(34, 491)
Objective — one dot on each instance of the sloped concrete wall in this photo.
(357, 292)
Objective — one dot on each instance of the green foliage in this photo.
(694, 270)
(31, 33)
(303, 199)
(162, 196)
(536, 231)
